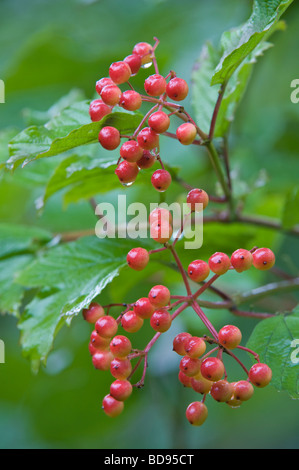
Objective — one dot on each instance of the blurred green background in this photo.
(49, 47)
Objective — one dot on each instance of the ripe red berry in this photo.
(260, 375)
(93, 312)
(198, 270)
(184, 379)
(243, 390)
(121, 389)
(179, 343)
(161, 180)
(102, 83)
(161, 320)
(120, 72)
(98, 342)
(111, 94)
(109, 137)
(134, 62)
(131, 151)
(190, 366)
(102, 360)
(131, 322)
(196, 413)
(219, 263)
(212, 369)
(159, 215)
(201, 385)
(112, 407)
(147, 138)
(159, 296)
(127, 172)
(106, 326)
(143, 50)
(195, 347)
(222, 391)
(186, 133)
(130, 100)
(177, 89)
(161, 232)
(143, 308)
(230, 336)
(120, 368)
(98, 109)
(155, 85)
(159, 122)
(263, 259)
(138, 258)
(120, 346)
(241, 260)
(197, 199)
(147, 160)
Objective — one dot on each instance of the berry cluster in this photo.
(141, 149)
(203, 371)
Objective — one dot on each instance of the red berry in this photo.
(190, 366)
(134, 62)
(219, 263)
(127, 172)
(198, 270)
(159, 296)
(177, 89)
(130, 100)
(186, 133)
(161, 232)
(263, 259)
(98, 342)
(201, 385)
(143, 308)
(121, 389)
(241, 260)
(159, 122)
(212, 369)
(102, 360)
(230, 336)
(147, 160)
(120, 368)
(195, 197)
(131, 151)
(112, 407)
(98, 109)
(197, 413)
(184, 379)
(111, 94)
(243, 390)
(155, 85)
(147, 138)
(120, 346)
(179, 343)
(138, 258)
(106, 326)
(161, 320)
(195, 347)
(222, 391)
(161, 180)
(159, 215)
(143, 50)
(109, 137)
(131, 322)
(93, 312)
(260, 375)
(120, 72)
(102, 83)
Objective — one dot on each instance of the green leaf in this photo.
(19, 238)
(66, 131)
(70, 276)
(238, 43)
(290, 215)
(204, 96)
(273, 339)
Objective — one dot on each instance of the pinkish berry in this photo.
(177, 89)
(93, 312)
(159, 122)
(138, 258)
(219, 263)
(121, 389)
(109, 137)
(112, 407)
(198, 270)
(98, 109)
(130, 100)
(119, 72)
(161, 320)
(131, 151)
(127, 172)
(197, 413)
(161, 180)
(159, 296)
(147, 138)
(186, 133)
(197, 199)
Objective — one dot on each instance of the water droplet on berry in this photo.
(147, 65)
